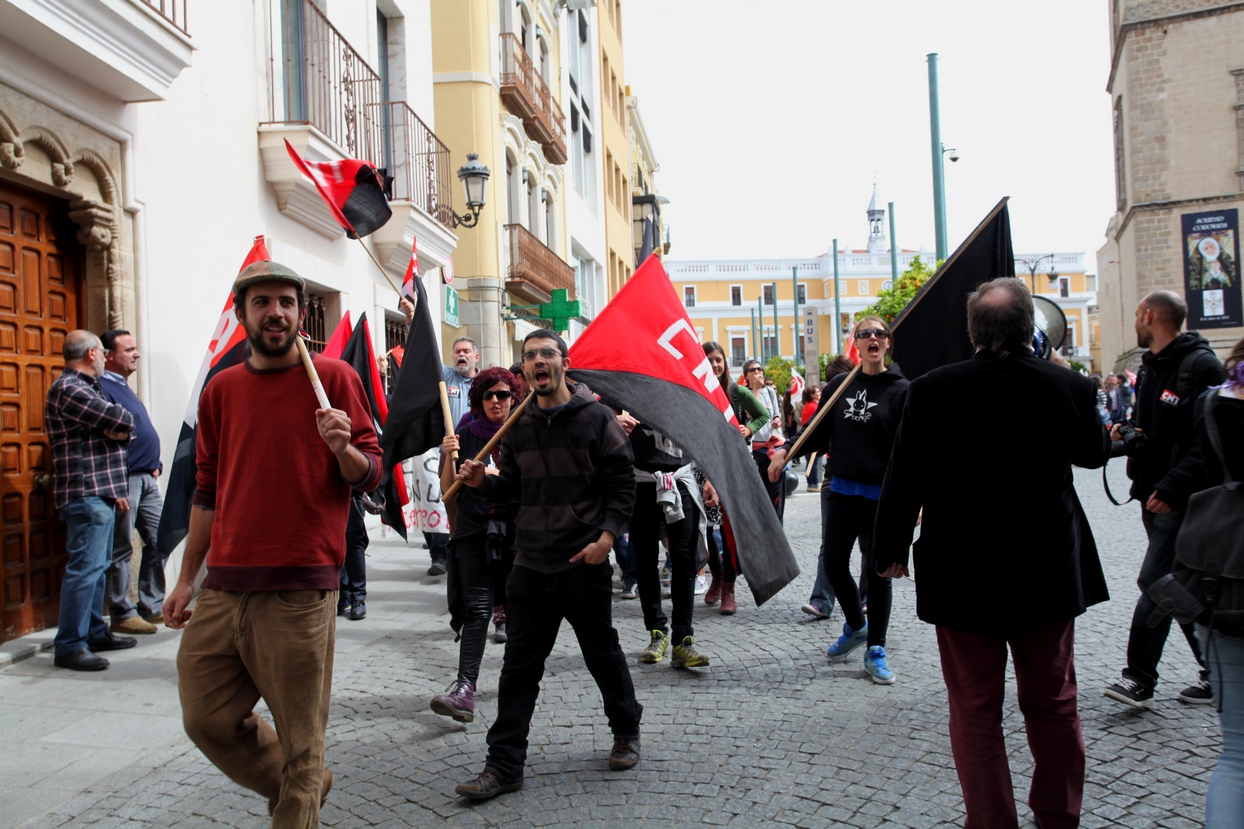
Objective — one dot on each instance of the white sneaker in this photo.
(630, 591)
(701, 585)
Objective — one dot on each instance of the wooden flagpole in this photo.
(383, 272)
(312, 373)
(897, 321)
(488, 447)
(449, 422)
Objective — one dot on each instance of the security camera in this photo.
(954, 155)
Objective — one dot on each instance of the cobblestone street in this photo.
(769, 735)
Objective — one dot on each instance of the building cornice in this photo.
(1153, 206)
(1174, 16)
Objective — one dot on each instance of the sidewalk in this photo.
(63, 734)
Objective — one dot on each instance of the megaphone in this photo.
(1050, 331)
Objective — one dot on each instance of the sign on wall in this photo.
(1212, 269)
(809, 338)
(450, 312)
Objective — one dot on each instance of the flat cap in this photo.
(266, 270)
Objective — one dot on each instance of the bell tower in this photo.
(876, 223)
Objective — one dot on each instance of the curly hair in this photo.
(485, 380)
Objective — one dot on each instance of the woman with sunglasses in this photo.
(861, 428)
(767, 436)
(481, 548)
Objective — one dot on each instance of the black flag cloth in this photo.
(932, 330)
(642, 353)
(416, 422)
(358, 353)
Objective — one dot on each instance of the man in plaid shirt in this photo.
(88, 436)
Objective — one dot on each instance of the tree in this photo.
(891, 301)
(778, 370)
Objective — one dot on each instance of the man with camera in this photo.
(1177, 369)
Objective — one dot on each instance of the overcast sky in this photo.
(769, 119)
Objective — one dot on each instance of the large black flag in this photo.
(358, 353)
(932, 330)
(416, 422)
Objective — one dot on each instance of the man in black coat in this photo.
(1005, 555)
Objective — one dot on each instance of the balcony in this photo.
(535, 271)
(526, 95)
(132, 50)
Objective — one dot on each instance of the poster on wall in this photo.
(1212, 269)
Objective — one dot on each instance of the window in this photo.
(861, 287)
(315, 325)
(736, 294)
(771, 344)
(803, 294)
(582, 97)
(738, 351)
(395, 332)
(767, 292)
(1064, 286)
(688, 296)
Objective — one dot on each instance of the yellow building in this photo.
(615, 147)
(648, 229)
(498, 88)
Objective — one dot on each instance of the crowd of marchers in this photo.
(549, 479)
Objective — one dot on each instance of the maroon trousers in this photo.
(974, 667)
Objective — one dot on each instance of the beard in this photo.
(255, 336)
(555, 383)
(464, 369)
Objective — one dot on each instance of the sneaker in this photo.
(814, 488)
(878, 669)
(498, 619)
(655, 651)
(624, 754)
(1200, 694)
(701, 585)
(486, 786)
(630, 591)
(686, 656)
(1130, 692)
(848, 641)
(132, 626)
(814, 610)
(437, 568)
(459, 703)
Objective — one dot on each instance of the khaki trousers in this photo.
(278, 645)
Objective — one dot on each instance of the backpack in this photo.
(1209, 551)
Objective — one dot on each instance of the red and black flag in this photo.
(412, 272)
(359, 354)
(932, 330)
(228, 347)
(416, 422)
(341, 335)
(642, 353)
(353, 189)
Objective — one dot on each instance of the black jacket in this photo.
(1004, 542)
(1201, 468)
(862, 425)
(572, 475)
(1164, 410)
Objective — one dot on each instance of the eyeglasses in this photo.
(865, 333)
(546, 353)
(500, 394)
(756, 368)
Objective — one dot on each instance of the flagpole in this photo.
(312, 373)
(383, 272)
(449, 417)
(489, 446)
(824, 409)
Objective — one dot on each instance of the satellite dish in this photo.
(1051, 325)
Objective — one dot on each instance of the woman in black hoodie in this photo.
(861, 428)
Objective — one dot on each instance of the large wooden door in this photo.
(40, 267)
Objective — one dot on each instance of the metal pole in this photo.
(777, 332)
(939, 172)
(837, 307)
(753, 330)
(794, 277)
(893, 246)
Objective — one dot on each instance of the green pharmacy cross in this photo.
(560, 310)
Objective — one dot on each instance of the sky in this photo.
(770, 120)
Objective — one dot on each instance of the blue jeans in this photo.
(624, 554)
(1225, 658)
(89, 522)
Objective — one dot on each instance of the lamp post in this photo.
(474, 178)
(1032, 265)
(939, 171)
(837, 306)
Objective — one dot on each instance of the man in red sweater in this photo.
(274, 479)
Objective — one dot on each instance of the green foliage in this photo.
(1078, 366)
(891, 301)
(778, 370)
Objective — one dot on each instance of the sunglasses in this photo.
(546, 353)
(755, 368)
(865, 333)
(501, 394)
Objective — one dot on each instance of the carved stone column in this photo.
(99, 232)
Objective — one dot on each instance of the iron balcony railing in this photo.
(526, 95)
(174, 11)
(534, 265)
(415, 157)
(324, 82)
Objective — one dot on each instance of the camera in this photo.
(1133, 438)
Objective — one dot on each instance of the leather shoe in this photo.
(80, 660)
(132, 625)
(486, 786)
(357, 611)
(111, 642)
(625, 754)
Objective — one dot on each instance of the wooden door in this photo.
(40, 267)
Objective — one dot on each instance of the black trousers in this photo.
(475, 579)
(646, 523)
(776, 490)
(354, 571)
(537, 604)
(846, 518)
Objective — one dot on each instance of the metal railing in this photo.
(324, 82)
(174, 11)
(535, 264)
(526, 95)
(418, 161)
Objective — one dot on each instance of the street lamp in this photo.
(1033, 264)
(474, 178)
